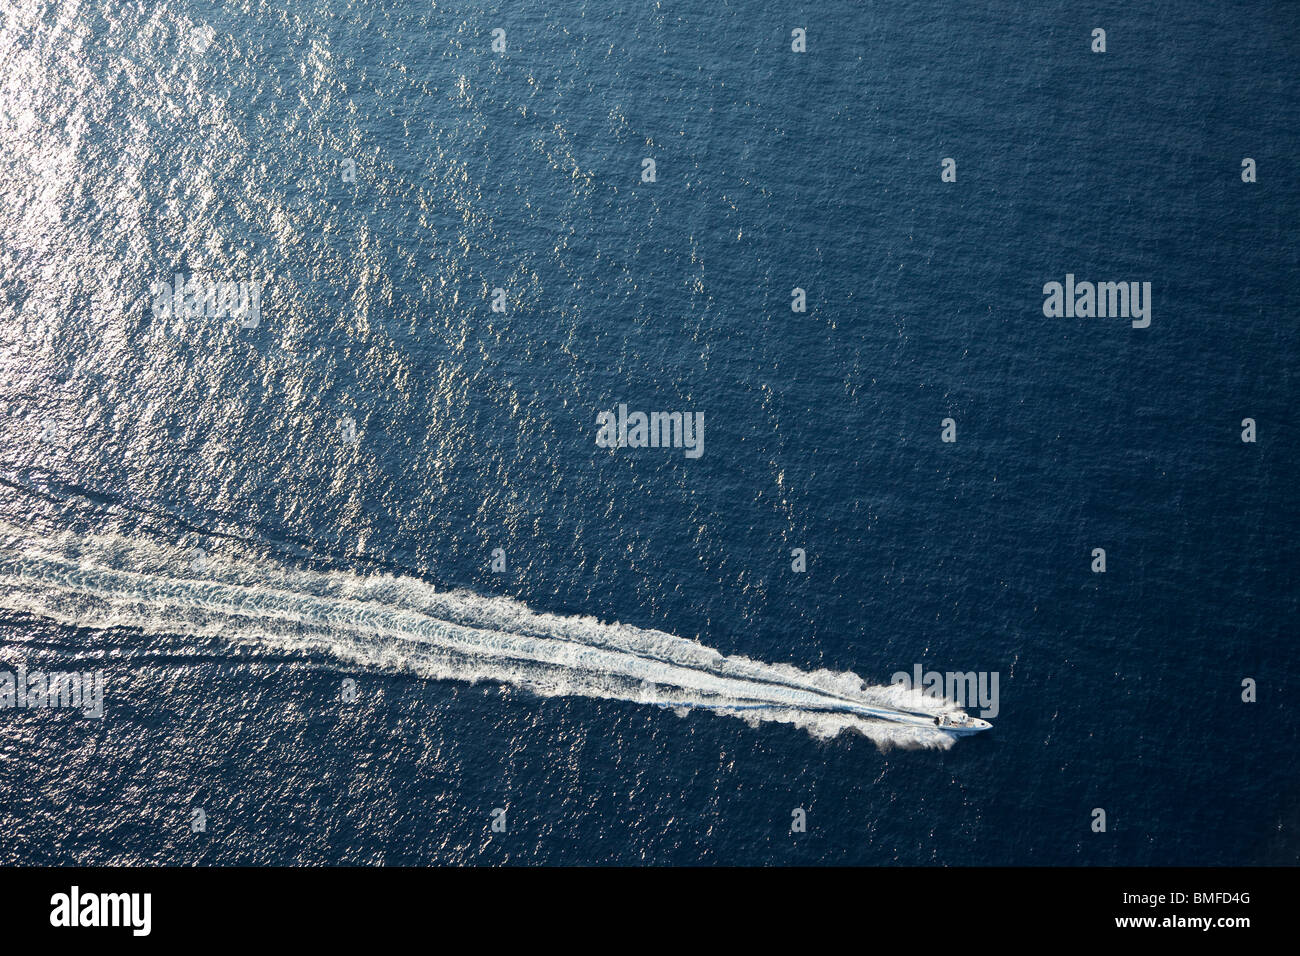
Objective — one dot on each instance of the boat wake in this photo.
(405, 624)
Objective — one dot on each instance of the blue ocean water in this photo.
(150, 139)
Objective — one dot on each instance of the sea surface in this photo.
(276, 539)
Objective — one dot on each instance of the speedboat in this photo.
(961, 723)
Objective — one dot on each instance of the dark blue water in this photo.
(137, 145)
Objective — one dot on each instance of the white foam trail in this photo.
(402, 623)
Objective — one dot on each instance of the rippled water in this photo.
(143, 140)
